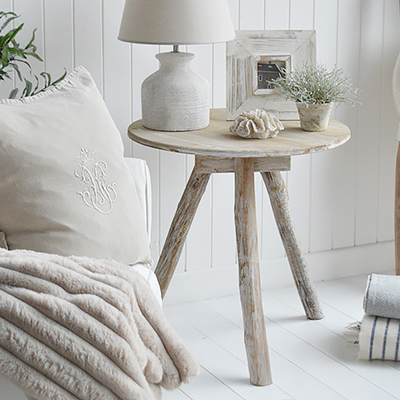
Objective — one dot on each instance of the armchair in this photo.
(68, 197)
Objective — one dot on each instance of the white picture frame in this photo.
(253, 56)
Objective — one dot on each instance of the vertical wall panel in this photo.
(222, 185)
(301, 14)
(88, 42)
(344, 185)
(7, 85)
(389, 121)
(234, 9)
(203, 62)
(277, 14)
(58, 34)
(223, 234)
(252, 18)
(322, 169)
(172, 184)
(144, 63)
(223, 228)
(369, 121)
(7, 5)
(31, 15)
(199, 241)
(218, 83)
(299, 178)
(251, 15)
(117, 69)
(326, 30)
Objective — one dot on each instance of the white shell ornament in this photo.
(257, 124)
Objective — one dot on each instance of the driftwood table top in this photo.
(216, 140)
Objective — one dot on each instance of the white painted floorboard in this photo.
(310, 359)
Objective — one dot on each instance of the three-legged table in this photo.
(219, 151)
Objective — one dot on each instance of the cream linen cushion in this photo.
(64, 185)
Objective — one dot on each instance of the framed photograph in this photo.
(254, 60)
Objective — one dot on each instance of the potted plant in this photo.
(315, 89)
(16, 58)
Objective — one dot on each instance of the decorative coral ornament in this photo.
(257, 124)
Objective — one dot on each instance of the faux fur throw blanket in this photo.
(79, 328)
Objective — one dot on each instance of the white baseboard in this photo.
(325, 265)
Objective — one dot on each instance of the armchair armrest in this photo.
(141, 175)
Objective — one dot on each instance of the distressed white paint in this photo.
(339, 198)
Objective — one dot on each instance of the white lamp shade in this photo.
(176, 22)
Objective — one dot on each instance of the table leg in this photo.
(249, 274)
(397, 212)
(280, 204)
(179, 229)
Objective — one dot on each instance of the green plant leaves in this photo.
(32, 88)
(13, 56)
(9, 16)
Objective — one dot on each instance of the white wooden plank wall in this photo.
(345, 161)
(341, 198)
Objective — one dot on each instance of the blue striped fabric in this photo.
(379, 338)
(396, 357)
(371, 342)
(385, 338)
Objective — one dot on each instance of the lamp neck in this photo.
(175, 60)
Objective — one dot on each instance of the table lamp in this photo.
(175, 98)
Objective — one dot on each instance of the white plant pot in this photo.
(314, 117)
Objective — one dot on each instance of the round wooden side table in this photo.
(217, 151)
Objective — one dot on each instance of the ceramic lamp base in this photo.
(175, 98)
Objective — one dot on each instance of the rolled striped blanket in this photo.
(379, 338)
(80, 328)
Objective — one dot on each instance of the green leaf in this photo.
(13, 55)
(60, 78)
(22, 61)
(13, 93)
(15, 44)
(28, 88)
(35, 90)
(47, 78)
(8, 20)
(17, 52)
(10, 35)
(4, 58)
(4, 75)
(32, 40)
(34, 55)
(16, 69)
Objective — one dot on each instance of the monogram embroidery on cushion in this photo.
(98, 194)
